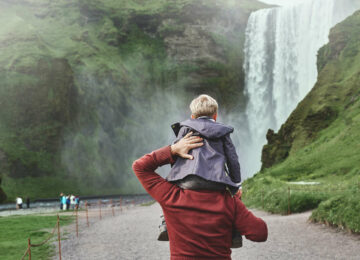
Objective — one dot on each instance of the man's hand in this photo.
(185, 144)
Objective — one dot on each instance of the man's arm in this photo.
(247, 224)
(232, 160)
(145, 166)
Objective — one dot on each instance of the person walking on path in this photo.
(28, 202)
(61, 200)
(72, 201)
(199, 222)
(19, 203)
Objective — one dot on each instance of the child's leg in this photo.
(236, 239)
(163, 235)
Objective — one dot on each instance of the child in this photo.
(215, 165)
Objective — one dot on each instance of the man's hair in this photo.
(203, 105)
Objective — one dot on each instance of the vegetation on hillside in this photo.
(320, 140)
(88, 86)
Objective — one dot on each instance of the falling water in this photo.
(280, 62)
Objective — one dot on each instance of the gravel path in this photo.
(132, 235)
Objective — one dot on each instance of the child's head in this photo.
(204, 105)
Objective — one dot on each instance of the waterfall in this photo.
(280, 63)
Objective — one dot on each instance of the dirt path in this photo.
(132, 235)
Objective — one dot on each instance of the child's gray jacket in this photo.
(211, 159)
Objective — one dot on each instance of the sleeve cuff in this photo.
(164, 156)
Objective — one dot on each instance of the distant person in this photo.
(61, 201)
(199, 222)
(28, 202)
(19, 203)
(77, 202)
(216, 166)
(68, 202)
(72, 201)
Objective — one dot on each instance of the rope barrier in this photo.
(25, 254)
(57, 226)
(59, 240)
(46, 240)
(87, 213)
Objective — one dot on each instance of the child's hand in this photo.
(185, 144)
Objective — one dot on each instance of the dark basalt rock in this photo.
(276, 150)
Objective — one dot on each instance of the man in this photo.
(200, 222)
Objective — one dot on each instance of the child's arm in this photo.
(232, 160)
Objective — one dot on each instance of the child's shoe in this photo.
(237, 240)
(163, 235)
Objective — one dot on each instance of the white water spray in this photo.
(280, 63)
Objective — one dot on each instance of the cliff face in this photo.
(81, 79)
(210, 39)
(324, 127)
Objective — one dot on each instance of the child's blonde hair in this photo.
(203, 105)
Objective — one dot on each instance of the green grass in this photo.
(273, 195)
(340, 210)
(146, 204)
(15, 231)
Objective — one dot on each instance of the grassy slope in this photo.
(15, 231)
(323, 152)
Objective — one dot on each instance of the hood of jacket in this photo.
(205, 126)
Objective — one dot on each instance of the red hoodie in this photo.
(199, 223)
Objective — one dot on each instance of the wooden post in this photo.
(29, 248)
(289, 211)
(77, 223)
(87, 214)
(59, 241)
(100, 209)
(112, 208)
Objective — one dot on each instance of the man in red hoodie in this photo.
(199, 223)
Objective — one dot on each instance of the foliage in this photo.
(341, 210)
(273, 195)
(82, 81)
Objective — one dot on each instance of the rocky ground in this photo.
(131, 234)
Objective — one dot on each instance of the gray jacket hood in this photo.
(205, 127)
